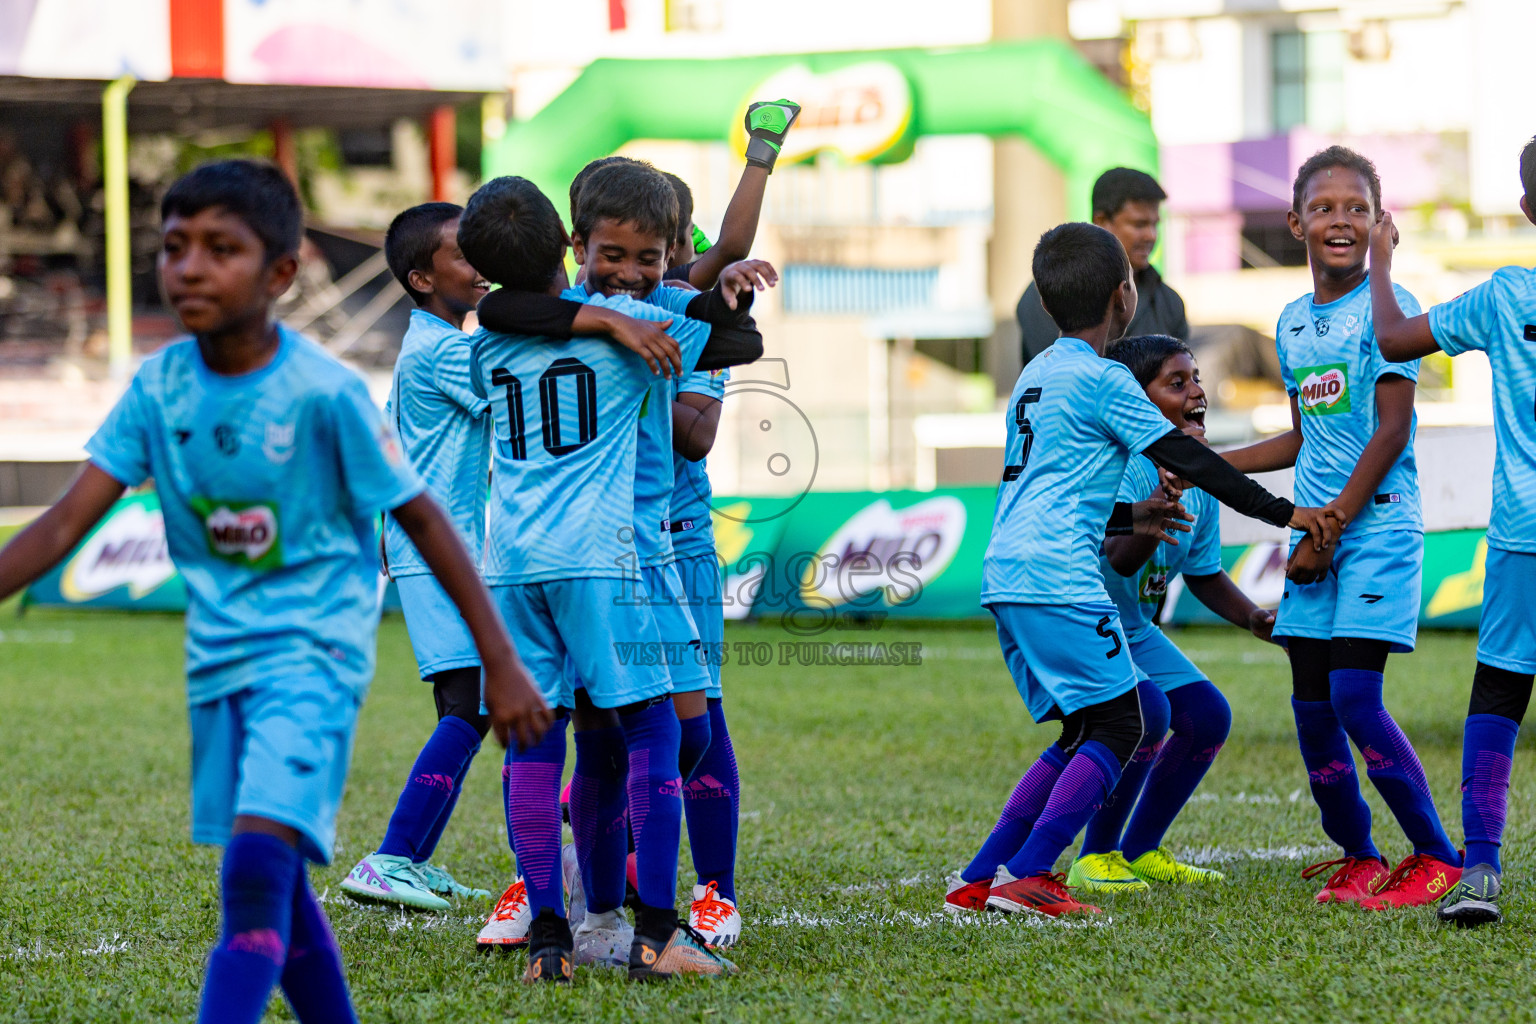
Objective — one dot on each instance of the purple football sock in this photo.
(599, 821)
(313, 978)
(1084, 783)
(257, 880)
(429, 792)
(1487, 754)
(694, 736)
(1024, 805)
(1201, 718)
(1390, 761)
(655, 801)
(533, 816)
(709, 802)
(429, 844)
(1332, 777)
(1103, 832)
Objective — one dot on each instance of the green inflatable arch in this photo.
(1041, 90)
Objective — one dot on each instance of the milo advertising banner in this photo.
(816, 562)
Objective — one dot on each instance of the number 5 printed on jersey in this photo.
(1026, 433)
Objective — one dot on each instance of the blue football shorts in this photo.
(276, 750)
(1506, 636)
(685, 654)
(439, 635)
(1372, 591)
(700, 577)
(604, 626)
(1064, 657)
(1159, 659)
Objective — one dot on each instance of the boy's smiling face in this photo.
(1335, 220)
(214, 271)
(621, 259)
(1177, 393)
(453, 280)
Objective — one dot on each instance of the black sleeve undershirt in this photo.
(1181, 454)
(508, 311)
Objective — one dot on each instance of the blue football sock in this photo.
(599, 816)
(1332, 777)
(429, 791)
(1390, 762)
(429, 845)
(533, 816)
(655, 801)
(1024, 805)
(1487, 754)
(709, 802)
(257, 881)
(1103, 832)
(694, 736)
(1200, 719)
(1080, 791)
(313, 978)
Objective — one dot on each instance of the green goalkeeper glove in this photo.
(701, 243)
(767, 124)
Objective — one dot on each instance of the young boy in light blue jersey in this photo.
(1498, 318)
(1347, 608)
(562, 559)
(1075, 418)
(272, 465)
(1118, 855)
(622, 244)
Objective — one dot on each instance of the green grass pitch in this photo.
(862, 788)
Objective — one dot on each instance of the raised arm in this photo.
(55, 533)
(738, 229)
(515, 706)
(1399, 337)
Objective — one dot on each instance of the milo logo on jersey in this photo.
(1154, 583)
(243, 532)
(1324, 390)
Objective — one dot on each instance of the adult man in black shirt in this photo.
(1125, 202)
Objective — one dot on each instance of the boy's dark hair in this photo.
(587, 172)
(1120, 185)
(412, 240)
(1528, 169)
(1146, 354)
(629, 193)
(1336, 156)
(253, 190)
(1077, 269)
(684, 205)
(510, 232)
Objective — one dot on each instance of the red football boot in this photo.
(966, 896)
(1045, 893)
(1417, 882)
(1355, 880)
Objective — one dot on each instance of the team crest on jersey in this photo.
(243, 532)
(1323, 390)
(278, 445)
(1154, 583)
(1320, 325)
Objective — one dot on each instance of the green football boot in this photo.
(441, 882)
(1104, 872)
(1159, 866)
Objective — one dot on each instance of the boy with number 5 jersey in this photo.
(272, 465)
(1498, 318)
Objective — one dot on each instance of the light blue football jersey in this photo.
(1499, 317)
(691, 497)
(566, 416)
(1073, 420)
(654, 476)
(1198, 553)
(1330, 363)
(443, 427)
(270, 483)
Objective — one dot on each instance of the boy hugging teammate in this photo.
(564, 566)
(1076, 417)
(1498, 318)
(249, 421)
(1348, 606)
